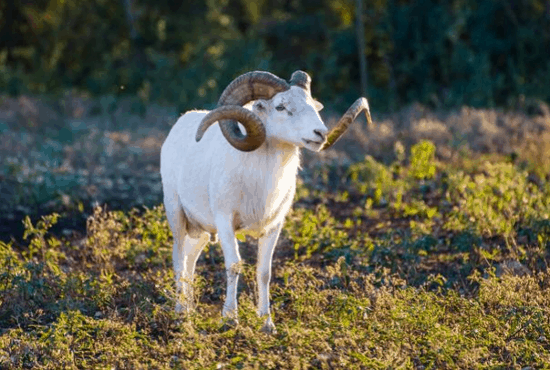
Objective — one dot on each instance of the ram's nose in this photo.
(322, 134)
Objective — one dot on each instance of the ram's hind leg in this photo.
(185, 253)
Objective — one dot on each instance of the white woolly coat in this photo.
(211, 178)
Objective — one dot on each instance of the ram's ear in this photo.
(318, 106)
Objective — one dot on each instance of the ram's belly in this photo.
(193, 196)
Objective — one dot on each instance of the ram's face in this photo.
(292, 117)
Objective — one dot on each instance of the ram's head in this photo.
(282, 111)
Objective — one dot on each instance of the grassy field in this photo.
(431, 252)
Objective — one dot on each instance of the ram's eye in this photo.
(280, 108)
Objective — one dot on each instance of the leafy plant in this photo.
(454, 276)
(422, 160)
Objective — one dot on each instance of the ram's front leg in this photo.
(232, 260)
(266, 246)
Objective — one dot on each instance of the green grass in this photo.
(413, 265)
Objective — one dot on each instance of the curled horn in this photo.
(302, 79)
(255, 130)
(351, 114)
(245, 88)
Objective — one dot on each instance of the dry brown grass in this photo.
(59, 152)
(467, 130)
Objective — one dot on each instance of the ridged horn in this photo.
(302, 79)
(252, 86)
(255, 130)
(245, 88)
(351, 114)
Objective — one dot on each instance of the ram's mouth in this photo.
(310, 142)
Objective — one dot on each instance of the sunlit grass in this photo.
(414, 264)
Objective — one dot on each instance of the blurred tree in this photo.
(361, 45)
(477, 52)
(12, 30)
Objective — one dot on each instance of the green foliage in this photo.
(422, 160)
(495, 200)
(315, 233)
(455, 276)
(443, 53)
(374, 179)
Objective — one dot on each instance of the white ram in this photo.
(243, 182)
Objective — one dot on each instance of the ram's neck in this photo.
(269, 182)
(283, 161)
(282, 168)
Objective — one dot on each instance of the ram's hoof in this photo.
(269, 327)
(229, 323)
(184, 308)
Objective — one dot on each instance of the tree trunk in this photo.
(361, 47)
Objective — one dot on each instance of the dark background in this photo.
(442, 53)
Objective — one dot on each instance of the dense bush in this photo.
(446, 53)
